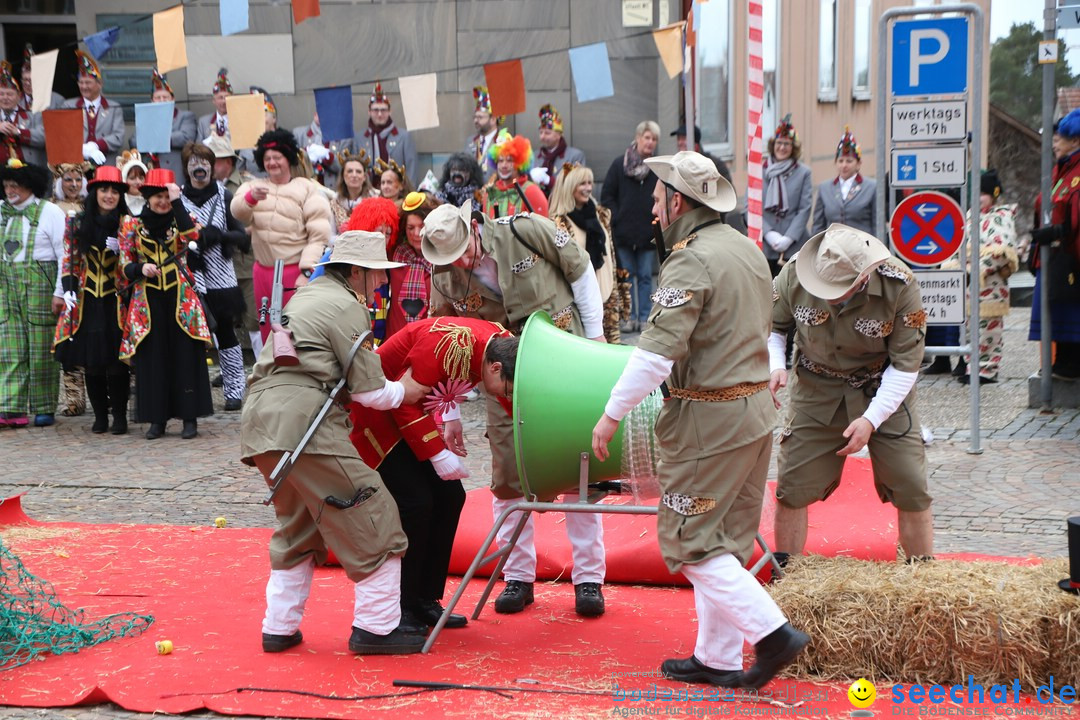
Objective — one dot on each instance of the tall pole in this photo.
(1046, 382)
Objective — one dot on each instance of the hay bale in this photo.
(933, 622)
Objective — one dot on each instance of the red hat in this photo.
(107, 174)
(156, 180)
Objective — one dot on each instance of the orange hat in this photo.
(160, 83)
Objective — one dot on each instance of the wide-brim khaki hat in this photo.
(362, 248)
(832, 262)
(220, 146)
(695, 176)
(445, 235)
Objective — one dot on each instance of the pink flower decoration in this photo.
(446, 396)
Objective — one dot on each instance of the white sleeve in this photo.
(777, 352)
(388, 397)
(895, 386)
(54, 223)
(642, 374)
(589, 305)
(452, 414)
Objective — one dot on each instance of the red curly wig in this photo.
(517, 147)
(373, 213)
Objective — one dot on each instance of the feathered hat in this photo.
(268, 100)
(550, 119)
(8, 80)
(160, 83)
(483, 102)
(786, 130)
(222, 83)
(378, 96)
(373, 213)
(848, 146)
(517, 147)
(88, 67)
(129, 160)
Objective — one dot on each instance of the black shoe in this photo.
(101, 424)
(515, 596)
(281, 643)
(44, 420)
(412, 623)
(961, 368)
(940, 366)
(232, 404)
(429, 611)
(119, 425)
(217, 381)
(588, 599)
(691, 670)
(774, 652)
(191, 429)
(156, 430)
(397, 642)
(966, 380)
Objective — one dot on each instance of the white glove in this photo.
(449, 466)
(783, 243)
(69, 300)
(772, 237)
(91, 152)
(112, 244)
(539, 175)
(317, 153)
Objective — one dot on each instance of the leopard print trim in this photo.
(809, 315)
(564, 318)
(681, 245)
(671, 297)
(561, 238)
(726, 394)
(506, 219)
(524, 264)
(469, 304)
(892, 270)
(915, 319)
(775, 292)
(687, 505)
(855, 379)
(874, 328)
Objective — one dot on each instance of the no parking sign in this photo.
(927, 228)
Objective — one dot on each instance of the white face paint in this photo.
(199, 171)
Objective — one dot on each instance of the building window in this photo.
(712, 65)
(827, 52)
(770, 61)
(864, 28)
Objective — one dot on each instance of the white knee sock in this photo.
(286, 593)
(377, 605)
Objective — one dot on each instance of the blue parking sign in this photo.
(930, 57)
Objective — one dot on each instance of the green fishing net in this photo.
(34, 621)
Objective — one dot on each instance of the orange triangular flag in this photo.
(506, 87)
(63, 136)
(669, 44)
(304, 9)
(691, 31)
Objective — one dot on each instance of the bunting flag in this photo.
(169, 44)
(63, 132)
(101, 42)
(668, 42)
(234, 16)
(335, 109)
(506, 87)
(755, 105)
(42, 71)
(304, 9)
(247, 119)
(591, 68)
(153, 127)
(418, 101)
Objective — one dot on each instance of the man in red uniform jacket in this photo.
(420, 466)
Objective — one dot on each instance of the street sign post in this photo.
(930, 57)
(927, 228)
(942, 296)
(935, 166)
(942, 121)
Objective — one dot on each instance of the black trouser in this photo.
(430, 508)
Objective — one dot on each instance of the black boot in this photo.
(961, 367)
(98, 392)
(155, 431)
(940, 366)
(119, 389)
(191, 429)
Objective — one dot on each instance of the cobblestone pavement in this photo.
(1010, 500)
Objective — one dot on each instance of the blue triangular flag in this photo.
(101, 42)
(591, 69)
(234, 16)
(334, 106)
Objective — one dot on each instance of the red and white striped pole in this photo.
(755, 92)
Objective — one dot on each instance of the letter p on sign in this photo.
(929, 57)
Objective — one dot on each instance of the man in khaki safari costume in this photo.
(860, 330)
(706, 337)
(331, 499)
(504, 270)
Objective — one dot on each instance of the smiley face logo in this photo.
(862, 693)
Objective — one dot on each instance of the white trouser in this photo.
(586, 533)
(731, 606)
(256, 343)
(286, 593)
(377, 607)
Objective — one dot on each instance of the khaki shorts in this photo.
(809, 468)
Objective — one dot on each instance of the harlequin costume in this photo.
(90, 330)
(503, 199)
(446, 354)
(166, 334)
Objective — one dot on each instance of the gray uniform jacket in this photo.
(800, 193)
(206, 122)
(399, 146)
(858, 211)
